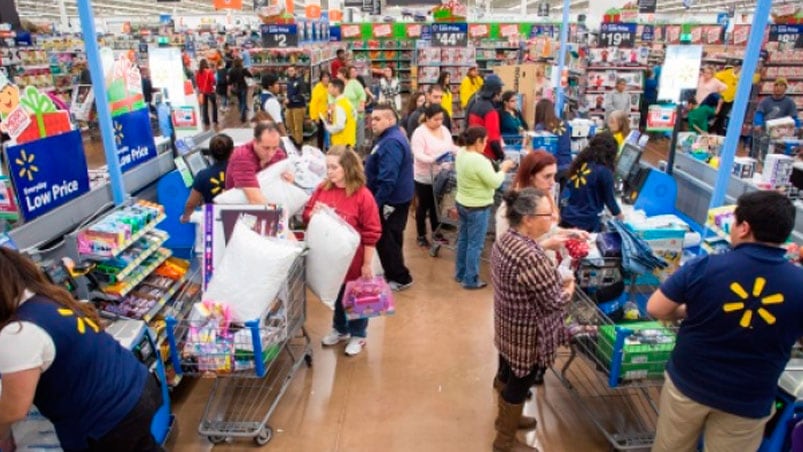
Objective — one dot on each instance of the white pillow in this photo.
(231, 196)
(273, 187)
(332, 244)
(251, 273)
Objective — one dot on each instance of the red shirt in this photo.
(336, 65)
(244, 166)
(359, 210)
(205, 80)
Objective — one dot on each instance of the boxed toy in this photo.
(363, 298)
(645, 351)
(777, 170)
(781, 128)
(744, 167)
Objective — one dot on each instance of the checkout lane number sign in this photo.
(450, 35)
(279, 35)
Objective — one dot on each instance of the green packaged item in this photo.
(645, 352)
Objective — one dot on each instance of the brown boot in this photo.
(525, 422)
(506, 426)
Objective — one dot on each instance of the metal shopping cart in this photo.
(444, 188)
(615, 371)
(252, 363)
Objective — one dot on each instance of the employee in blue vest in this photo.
(54, 354)
(743, 312)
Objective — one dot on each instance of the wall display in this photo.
(617, 34)
(450, 34)
(44, 182)
(279, 36)
(134, 138)
(685, 61)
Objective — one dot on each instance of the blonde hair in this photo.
(353, 171)
(622, 120)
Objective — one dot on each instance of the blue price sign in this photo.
(279, 36)
(48, 173)
(450, 35)
(617, 35)
(134, 138)
(788, 34)
(648, 33)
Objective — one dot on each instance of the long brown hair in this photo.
(545, 115)
(354, 174)
(19, 273)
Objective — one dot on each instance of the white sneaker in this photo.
(398, 287)
(355, 346)
(335, 337)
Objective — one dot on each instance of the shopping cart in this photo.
(615, 371)
(247, 389)
(444, 188)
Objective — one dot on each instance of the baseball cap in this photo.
(493, 82)
(781, 81)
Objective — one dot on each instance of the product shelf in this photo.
(120, 290)
(134, 238)
(156, 242)
(157, 308)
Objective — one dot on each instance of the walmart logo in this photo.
(580, 177)
(82, 322)
(741, 306)
(118, 133)
(218, 183)
(26, 163)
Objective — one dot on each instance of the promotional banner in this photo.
(48, 173)
(134, 138)
(685, 63)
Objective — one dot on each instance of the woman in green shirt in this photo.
(476, 183)
(700, 115)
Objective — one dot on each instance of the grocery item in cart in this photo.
(366, 298)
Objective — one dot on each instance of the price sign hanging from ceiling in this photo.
(789, 34)
(279, 36)
(620, 35)
(449, 34)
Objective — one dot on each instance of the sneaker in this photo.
(355, 346)
(398, 287)
(335, 337)
(479, 285)
(423, 242)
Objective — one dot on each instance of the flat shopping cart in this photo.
(615, 371)
(252, 363)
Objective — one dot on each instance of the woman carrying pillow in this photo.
(345, 192)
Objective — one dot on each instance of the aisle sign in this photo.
(279, 36)
(648, 33)
(48, 173)
(647, 6)
(789, 34)
(620, 35)
(134, 138)
(450, 34)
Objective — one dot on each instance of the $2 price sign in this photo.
(279, 36)
(617, 35)
(450, 35)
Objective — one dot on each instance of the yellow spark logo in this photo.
(118, 133)
(218, 183)
(580, 178)
(27, 167)
(82, 321)
(747, 316)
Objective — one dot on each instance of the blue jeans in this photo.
(242, 97)
(472, 226)
(343, 326)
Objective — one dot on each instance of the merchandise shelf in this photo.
(157, 308)
(124, 289)
(134, 238)
(157, 241)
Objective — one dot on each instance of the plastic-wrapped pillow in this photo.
(251, 273)
(332, 244)
(273, 187)
(231, 196)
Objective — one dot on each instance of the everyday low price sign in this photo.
(279, 36)
(620, 35)
(48, 173)
(450, 35)
(790, 34)
(134, 138)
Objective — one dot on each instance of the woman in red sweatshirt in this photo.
(205, 81)
(344, 191)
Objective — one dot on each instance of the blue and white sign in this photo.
(648, 33)
(134, 138)
(48, 173)
(620, 35)
(789, 34)
(279, 36)
(450, 34)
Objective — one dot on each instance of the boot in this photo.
(506, 423)
(525, 422)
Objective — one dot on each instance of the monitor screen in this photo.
(628, 160)
(195, 162)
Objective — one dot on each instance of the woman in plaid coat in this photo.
(529, 307)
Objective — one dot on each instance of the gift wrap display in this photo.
(29, 114)
(123, 83)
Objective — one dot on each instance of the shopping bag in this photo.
(332, 245)
(366, 298)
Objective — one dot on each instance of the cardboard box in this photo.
(645, 352)
(520, 78)
(667, 243)
(744, 167)
(777, 170)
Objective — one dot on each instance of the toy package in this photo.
(365, 298)
(107, 236)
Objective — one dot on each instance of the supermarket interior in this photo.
(401, 225)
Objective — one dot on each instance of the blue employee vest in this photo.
(92, 384)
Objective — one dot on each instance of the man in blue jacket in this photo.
(389, 170)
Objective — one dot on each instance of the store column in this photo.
(751, 53)
(8, 14)
(564, 37)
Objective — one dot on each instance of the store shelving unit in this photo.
(495, 53)
(431, 61)
(605, 66)
(786, 63)
(374, 55)
(313, 57)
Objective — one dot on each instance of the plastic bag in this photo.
(365, 298)
(251, 273)
(332, 244)
(275, 189)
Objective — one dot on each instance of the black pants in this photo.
(321, 134)
(133, 433)
(426, 206)
(721, 121)
(209, 99)
(391, 242)
(516, 388)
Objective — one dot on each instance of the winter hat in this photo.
(492, 84)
